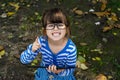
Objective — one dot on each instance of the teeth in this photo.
(56, 34)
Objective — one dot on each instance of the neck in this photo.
(59, 42)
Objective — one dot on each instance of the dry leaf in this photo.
(94, 1)
(107, 28)
(16, 5)
(2, 51)
(83, 44)
(117, 25)
(78, 63)
(98, 58)
(74, 9)
(103, 1)
(83, 66)
(101, 77)
(114, 17)
(4, 15)
(10, 13)
(101, 14)
(79, 12)
(103, 7)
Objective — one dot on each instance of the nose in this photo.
(56, 27)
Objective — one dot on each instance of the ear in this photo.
(44, 31)
(68, 32)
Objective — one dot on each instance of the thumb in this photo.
(36, 40)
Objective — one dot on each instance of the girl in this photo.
(56, 47)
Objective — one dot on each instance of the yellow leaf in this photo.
(101, 14)
(79, 12)
(74, 9)
(117, 25)
(98, 58)
(35, 61)
(10, 13)
(83, 44)
(101, 77)
(94, 1)
(103, 7)
(114, 33)
(83, 66)
(78, 63)
(32, 64)
(107, 28)
(103, 1)
(114, 18)
(16, 5)
(2, 51)
(93, 59)
(118, 9)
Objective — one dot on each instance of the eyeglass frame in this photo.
(56, 25)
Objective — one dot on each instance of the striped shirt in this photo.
(64, 58)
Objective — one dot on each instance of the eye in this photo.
(60, 25)
(50, 25)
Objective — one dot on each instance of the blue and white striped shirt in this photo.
(65, 58)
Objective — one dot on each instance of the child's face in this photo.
(56, 31)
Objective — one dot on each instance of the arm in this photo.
(30, 53)
(71, 61)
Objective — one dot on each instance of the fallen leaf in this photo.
(103, 7)
(17, 56)
(106, 28)
(81, 59)
(78, 63)
(101, 14)
(98, 58)
(3, 15)
(74, 9)
(79, 12)
(103, 1)
(16, 5)
(94, 1)
(83, 66)
(114, 17)
(2, 51)
(101, 77)
(10, 13)
(117, 25)
(83, 44)
(114, 33)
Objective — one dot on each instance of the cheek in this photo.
(48, 33)
(64, 32)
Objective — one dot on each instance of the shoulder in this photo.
(71, 43)
(71, 46)
(42, 39)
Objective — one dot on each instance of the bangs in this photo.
(56, 18)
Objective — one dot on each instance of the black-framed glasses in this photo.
(51, 26)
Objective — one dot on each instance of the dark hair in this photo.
(55, 15)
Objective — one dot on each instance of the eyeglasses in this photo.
(51, 26)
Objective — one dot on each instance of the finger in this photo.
(36, 40)
(49, 68)
(54, 68)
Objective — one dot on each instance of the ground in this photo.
(19, 29)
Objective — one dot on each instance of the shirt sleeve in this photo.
(28, 55)
(71, 62)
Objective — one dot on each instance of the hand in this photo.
(36, 45)
(54, 69)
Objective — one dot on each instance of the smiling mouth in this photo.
(56, 34)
